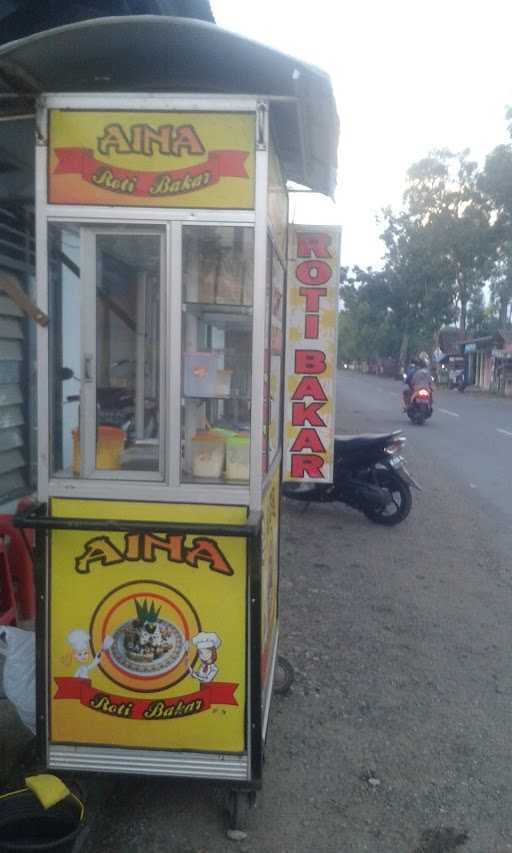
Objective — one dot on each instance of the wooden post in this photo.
(11, 287)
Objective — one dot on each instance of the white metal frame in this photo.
(258, 330)
(88, 249)
(148, 762)
(41, 227)
(153, 101)
(171, 220)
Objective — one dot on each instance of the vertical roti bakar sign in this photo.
(311, 329)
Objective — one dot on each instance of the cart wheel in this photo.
(284, 676)
(237, 809)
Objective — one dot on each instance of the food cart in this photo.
(173, 395)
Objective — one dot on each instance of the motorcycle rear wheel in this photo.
(417, 418)
(401, 500)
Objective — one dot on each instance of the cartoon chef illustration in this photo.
(206, 644)
(79, 641)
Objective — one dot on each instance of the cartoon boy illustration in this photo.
(79, 641)
(206, 645)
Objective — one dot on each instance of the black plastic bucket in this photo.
(26, 826)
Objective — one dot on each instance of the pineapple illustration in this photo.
(147, 616)
(149, 637)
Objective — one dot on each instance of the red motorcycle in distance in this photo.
(420, 406)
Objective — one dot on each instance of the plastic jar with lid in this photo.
(208, 450)
(238, 457)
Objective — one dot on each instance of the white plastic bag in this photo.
(19, 649)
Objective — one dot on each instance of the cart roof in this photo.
(153, 53)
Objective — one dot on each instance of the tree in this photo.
(453, 234)
(501, 284)
(366, 330)
(420, 301)
(496, 182)
(445, 201)
(481, 319)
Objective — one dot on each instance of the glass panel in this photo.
(64, 345)
(218, 266)
(266, 359)
(276, 350)
(128, 352)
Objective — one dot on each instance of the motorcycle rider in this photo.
(417, 376)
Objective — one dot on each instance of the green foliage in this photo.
(496, 181)
(501, 284)
(366, 329)
(453, 217)
(452, 236)
(481, 319)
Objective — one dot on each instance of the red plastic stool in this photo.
(21, 565)
(7, 598)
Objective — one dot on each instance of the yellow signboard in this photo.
(147, 635)
(151, 159)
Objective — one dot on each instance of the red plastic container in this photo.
(17, 554)
(7, 598)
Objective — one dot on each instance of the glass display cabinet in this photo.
(161, 266)
(161, 257)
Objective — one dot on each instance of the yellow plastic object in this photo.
(109, 448)
(48, 789)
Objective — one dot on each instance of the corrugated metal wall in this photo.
(16, 256)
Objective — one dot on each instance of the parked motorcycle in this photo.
(420, 406)
(369, 475)
(116, 407)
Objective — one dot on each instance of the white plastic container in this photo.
(208, 451)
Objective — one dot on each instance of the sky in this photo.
(409, 76)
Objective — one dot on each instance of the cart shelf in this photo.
(216, 397)
(217, 308)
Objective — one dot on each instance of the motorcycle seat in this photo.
(356, 442)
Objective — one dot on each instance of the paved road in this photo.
(469, 436)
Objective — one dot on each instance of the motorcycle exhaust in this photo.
(372, 495)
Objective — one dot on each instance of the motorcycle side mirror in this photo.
(64, 373)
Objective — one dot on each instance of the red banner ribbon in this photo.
(220, 164)
(128, 707)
